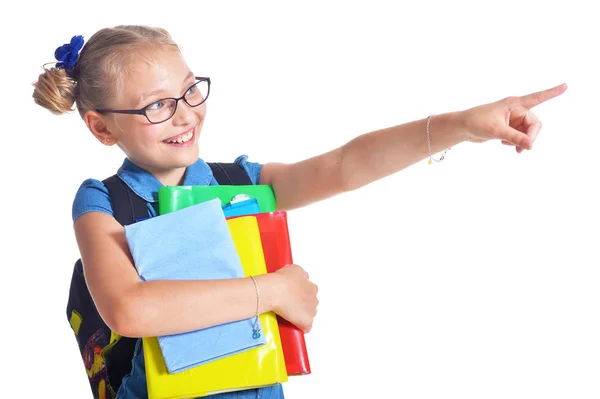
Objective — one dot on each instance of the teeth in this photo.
(183, 139)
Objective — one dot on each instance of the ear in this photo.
(97, 125)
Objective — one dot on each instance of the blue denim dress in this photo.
(92, 196)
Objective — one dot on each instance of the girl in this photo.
(133, 89)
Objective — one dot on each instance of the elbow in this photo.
(348, 182)
(121, 317)
(348, 178)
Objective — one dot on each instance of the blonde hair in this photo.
(103, 63)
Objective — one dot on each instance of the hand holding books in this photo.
(297, 301)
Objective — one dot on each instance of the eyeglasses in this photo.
(164, 109)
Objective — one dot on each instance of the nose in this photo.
(184, 114)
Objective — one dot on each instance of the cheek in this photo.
(201, 111)
(153, 133)
(144, 136)
(144, 131)
(129, 127)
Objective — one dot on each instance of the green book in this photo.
(174, 198)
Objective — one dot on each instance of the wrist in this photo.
(457, 126)
(269, 286)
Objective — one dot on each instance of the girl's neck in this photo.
(170, 177)
(167, 176)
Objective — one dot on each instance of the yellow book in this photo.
(254, 368)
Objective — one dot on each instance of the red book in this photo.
(275, 239)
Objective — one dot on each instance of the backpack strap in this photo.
(127, 206)
(90, 329)
(231, 174)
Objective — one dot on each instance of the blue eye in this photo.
(191, 90)
(156, 106)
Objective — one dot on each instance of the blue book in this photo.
(192, 244)
(241, 205)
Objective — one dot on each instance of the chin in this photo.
(185, 160)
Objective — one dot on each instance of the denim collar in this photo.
(145, 185)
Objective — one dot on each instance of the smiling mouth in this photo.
(181, 138)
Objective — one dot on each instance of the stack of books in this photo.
(214, 232)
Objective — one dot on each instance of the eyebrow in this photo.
(154, 92)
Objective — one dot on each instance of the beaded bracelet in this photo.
(256, 328)
(429, 145)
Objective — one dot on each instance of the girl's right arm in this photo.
(135, 308)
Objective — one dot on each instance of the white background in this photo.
(474, 278)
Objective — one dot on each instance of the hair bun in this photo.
(55, 91)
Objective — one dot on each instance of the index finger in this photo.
(531, 100)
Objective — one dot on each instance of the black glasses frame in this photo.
(142, 111)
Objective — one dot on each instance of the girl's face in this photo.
(164, 148)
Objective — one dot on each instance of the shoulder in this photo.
(92, 196)
(253, 169)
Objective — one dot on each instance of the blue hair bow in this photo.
(68, 54)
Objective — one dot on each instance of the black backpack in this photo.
(107, 356)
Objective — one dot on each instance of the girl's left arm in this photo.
(362, 160)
